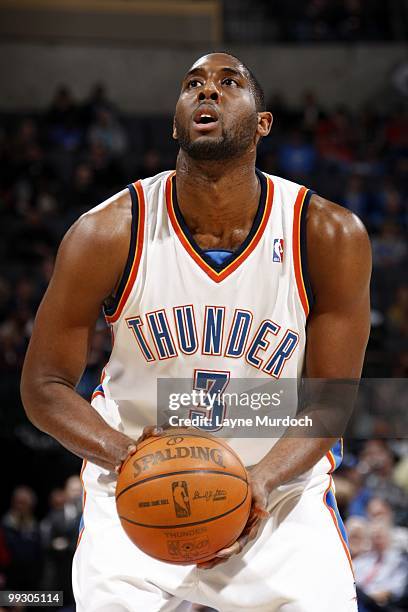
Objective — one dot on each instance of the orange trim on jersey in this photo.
(136, 260)
(218, 276)
(83, 501)
(336, 524)
(332, 460)
(297, 259)
(97, 394)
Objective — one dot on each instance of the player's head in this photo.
(220, 113)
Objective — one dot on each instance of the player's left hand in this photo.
(257, 515)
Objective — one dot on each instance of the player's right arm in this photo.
(88, 268)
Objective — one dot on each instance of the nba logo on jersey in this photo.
(278, 250)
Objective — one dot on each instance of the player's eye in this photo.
(230, 82)
(192, 83)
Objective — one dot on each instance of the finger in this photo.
(253, 518)
(260, 511)
(148, 432)
(211, 563)
(234, 549)
(247, 535)
(131, 449)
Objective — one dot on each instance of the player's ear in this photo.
(265, 120)
(174, 130)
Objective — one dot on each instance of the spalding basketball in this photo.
(183, 496)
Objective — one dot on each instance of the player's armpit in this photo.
(89, 263)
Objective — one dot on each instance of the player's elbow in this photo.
(29, 392)
(34, 396)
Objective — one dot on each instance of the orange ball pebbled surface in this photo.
(183, 496)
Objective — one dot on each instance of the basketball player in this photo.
(216, 267)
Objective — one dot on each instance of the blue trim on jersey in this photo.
(255, 226)
(337, 452)
(110, 308)
(81, 524)
(219, 256)
(98, 388)
(331, 501)
(303, 248)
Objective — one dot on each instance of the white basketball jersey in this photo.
(178, 315)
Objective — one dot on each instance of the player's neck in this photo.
(217, 197)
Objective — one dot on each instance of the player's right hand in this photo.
(148, 432)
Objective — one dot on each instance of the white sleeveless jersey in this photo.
(178, 315)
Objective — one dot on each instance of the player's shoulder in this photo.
(332, 225)
(108, 225)
(105, 223)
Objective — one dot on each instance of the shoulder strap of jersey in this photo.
(300, 249)
(114, 310)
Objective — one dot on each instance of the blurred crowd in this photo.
(315, 20)
(37, 554)
(372, 495)
(57, 164)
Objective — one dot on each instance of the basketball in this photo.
(183, 496)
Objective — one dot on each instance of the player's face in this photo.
(216, 117)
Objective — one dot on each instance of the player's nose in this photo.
(209, 92)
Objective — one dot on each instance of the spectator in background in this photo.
(97, 100)
(310, 113)
(382, 572)
(60, 531)
(398, 312)
(388, 207)
(4, 559)
(107, 132)
(396, 129)
(23, 540)
(379, 509)
(335, 139)
(282, 115)
(151, 164)
(376, 464)
(107, 171)
(389, 246)
(358, 536)
(26, 137)
(355, 196)
(5, 298)
(81, 194)
(64, 130)
(297, 158)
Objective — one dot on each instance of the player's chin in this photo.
(205, 137)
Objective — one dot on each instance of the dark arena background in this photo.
(86, 100)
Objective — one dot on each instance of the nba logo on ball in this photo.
(278, 250)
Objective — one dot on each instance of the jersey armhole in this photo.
(114, 309)
(300, 249)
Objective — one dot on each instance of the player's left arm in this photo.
(339, 262)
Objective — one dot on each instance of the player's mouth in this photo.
(205, 119)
